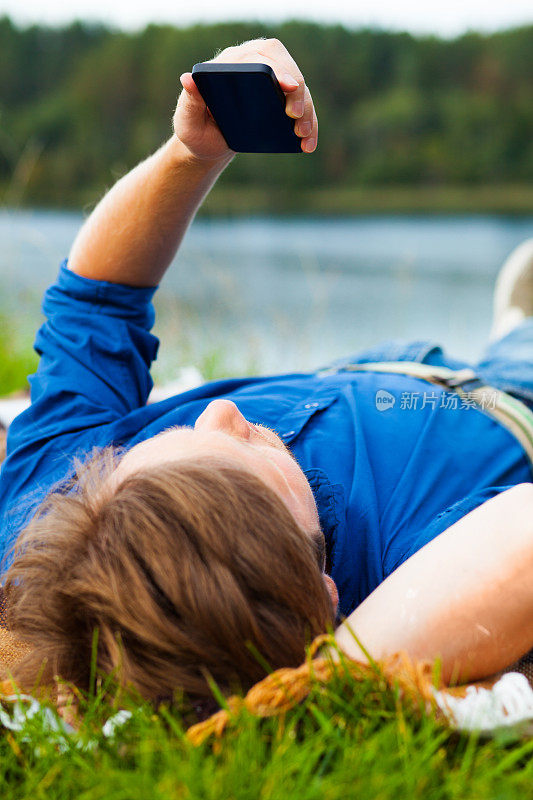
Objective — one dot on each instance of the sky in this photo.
(443, 17)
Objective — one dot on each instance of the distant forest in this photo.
(81, 104)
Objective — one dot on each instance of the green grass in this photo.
(346, 740)
(17, 359)
(184, 342)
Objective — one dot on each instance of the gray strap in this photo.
(506, 410)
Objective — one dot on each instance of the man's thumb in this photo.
(193, 95)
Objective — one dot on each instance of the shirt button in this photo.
(311, 405)
(287, 434)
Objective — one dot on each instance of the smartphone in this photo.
(248, 105)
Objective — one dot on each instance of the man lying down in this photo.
(248, 516)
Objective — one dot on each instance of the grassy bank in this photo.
(507, 199)
(498, 199)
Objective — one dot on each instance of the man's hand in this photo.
(194, 125)
(133, 234)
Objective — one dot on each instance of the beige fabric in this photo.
(3, 437)
(524, 666)
(11, 649)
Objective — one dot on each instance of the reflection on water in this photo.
(294, 293)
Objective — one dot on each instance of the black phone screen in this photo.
(248, 105)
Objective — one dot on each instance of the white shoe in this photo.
(513, 293)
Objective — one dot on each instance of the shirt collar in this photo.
(329, 499)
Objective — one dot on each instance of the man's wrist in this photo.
(181, 156)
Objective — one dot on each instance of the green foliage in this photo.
(80, 105)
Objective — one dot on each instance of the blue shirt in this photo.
(387, 478)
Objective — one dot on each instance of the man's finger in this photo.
(309, 143)
(307, 126)
(288, 83)
(276, 55)
(284, 65)
(295, 106)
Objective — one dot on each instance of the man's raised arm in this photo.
(133, 234)
(466, 596)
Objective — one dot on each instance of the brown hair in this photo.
(187, 570)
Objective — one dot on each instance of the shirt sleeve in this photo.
(95, 351)
(446, 519)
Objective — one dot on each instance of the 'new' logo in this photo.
(384, 400)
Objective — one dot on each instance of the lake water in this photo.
(279, 294)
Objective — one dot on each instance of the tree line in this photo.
(79, 105)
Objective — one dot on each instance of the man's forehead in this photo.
(166, 446)
(155, 441)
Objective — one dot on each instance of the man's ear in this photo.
(333, 593)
